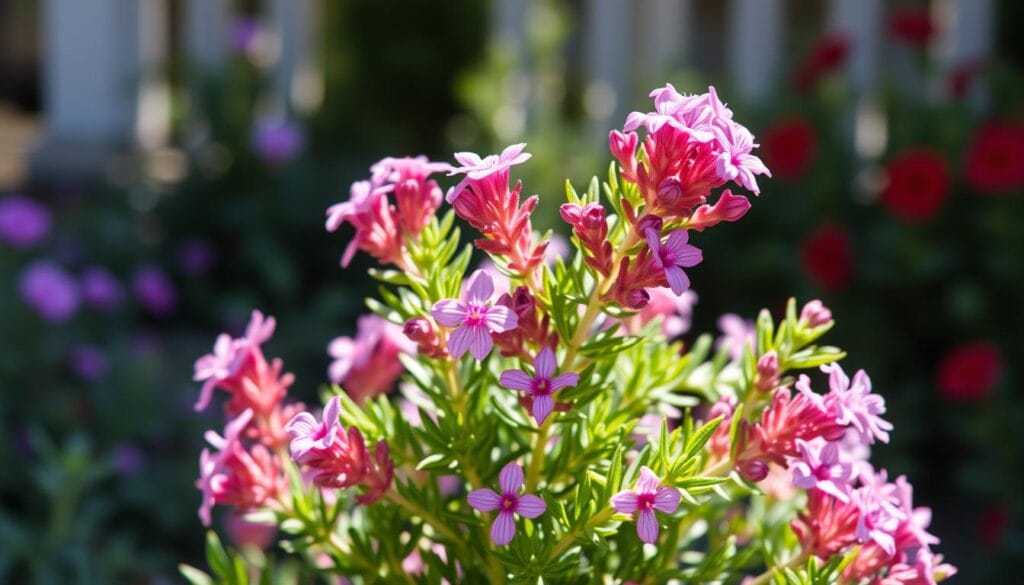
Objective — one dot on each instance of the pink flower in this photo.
(820, 467)
(542, 384)
(814, 314)
(503, 530)
(647, 496)
(672, 256)
(476, 168)
(475, 319)
(676, 312)
(368, 365)
(856, 405)
(729, 207)
(876, 522)
(737, 334)
(735, 163)
(308, 434)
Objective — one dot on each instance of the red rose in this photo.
(993, 524)
(995, 160)
(918, 185)
(827, 256)
(788, 147)
(827, 55)
(912, 25)
(968, 372)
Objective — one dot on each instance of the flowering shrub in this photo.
(515, 450)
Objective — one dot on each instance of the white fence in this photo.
(103, 89)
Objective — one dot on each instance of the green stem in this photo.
(570, 537)
(767, 575)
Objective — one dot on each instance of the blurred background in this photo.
(165, 166)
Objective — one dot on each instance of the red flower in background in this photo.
(993, 524)
(827, 256)
(962, 76)
(969, 371)
(827, 55)
(995, 160)
(789, 146)
(912, 25)
(918, 185)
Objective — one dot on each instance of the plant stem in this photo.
(566, 541)
(767, 575)
(537, 456)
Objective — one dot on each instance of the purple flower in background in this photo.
(88, 362)
(196, 256)
(737, 334)
(154, 290)
(49, 290)
(277, 141)
(23, 221)
(244, 34)
(474, 319)
(100, 290)
(542, 385)
(128, 459)
(647, 496)
(508, 502)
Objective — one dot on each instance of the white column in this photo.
(861, 22)
(755, 46)
(297, 80)
(153, 120)
(207, 24)
(662, 33)
(607, 57)
(968, 39)
(90, 70)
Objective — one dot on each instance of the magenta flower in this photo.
(735, 163)
(875, 523)
(855, 404)
(101, 290)
(672, 256)
(821, 467)
(542, 384)
(223, 366)
(23, 221)
(508, 502)
(647, 496)
(368, 365)
(154, 290)
(475, 319)
(49, 290)
(308, 434)
(476, 168)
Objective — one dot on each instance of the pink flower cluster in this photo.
(381, 225)
(367, 365)
(339, 459)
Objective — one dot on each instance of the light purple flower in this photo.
(88, 362)
(737, 334)
(474, 318)
(542, 385)
(821, 467)
(476, 168)
(918, 519)
(308, 434)
(735, 163)
(672, 256)
(856, 405)
(23, 221)
(228, 356)
(211, 464)
(100, 290)
(128, 459)
(647, 496)
(676, 312)
(154, 290)
(509, 502)
(687, 113)
(196, 256)
(277, 141)
(875, 523)
(244, 34)
(49, 290)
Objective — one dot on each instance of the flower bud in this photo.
(592, 217)
(753, 470)
(571, 213)
(815, 314)
(418, 330)
(767, 372)
(649, 222)
(637, 299)
(670, 191)
(523, 303)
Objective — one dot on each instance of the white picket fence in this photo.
(103, 89)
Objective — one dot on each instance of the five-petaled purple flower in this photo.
(672, 256)
(474, 318)
(647, 496)
(542, 385)
(821, 467)
(508, 503)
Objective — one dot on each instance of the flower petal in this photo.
(530, 506)
(544, 364)
(564, 381)
(677, 279)
(302, 424)
(676, 240)
(654, 243)
(667, 500)
(648, 482)
(484, 500)
(460, 340)
(625, 502)
(479, 287)
(542, 407)
(331, 412)
(449, 312)
(480, 342)
(501, 319)
(516, 380)
(503, 529)
(511, 478)
(647, 526)
(689, 256)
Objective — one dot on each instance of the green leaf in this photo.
(218, 558)
(194, 575)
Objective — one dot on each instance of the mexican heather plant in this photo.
(516, 449)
